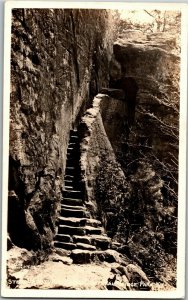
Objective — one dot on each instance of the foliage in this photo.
(161, 21)
(135, 214)
(112, 192)
(153, 210)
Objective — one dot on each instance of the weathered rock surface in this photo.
(59, 61)
(98, 159)
(18, 258)
(158, 93)
(95, 145)
(58, 258)
(135, 274)
(151, 147)
(147, 150)
(93, 270)
(57, 275)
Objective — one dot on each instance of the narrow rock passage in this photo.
(77, 231)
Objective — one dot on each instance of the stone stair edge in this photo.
(73, 210)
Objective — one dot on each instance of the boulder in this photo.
(135, 274)
(58, 258)
(101, 241)
(62, 252)
(18, 258)
(82, 256)
(115, 245)
(126, 282)
(85, 246)
(113, 256)
(122, 270)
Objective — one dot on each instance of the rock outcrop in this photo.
(144, 182)
(96, 150)
(148, 150)
(106, 270)
(59, 60)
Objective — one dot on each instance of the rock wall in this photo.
(148, 154)
(59, 60)
(157, 101)
(94, 143)
(106, 188)
(158, 94)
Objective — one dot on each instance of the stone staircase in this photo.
(76, 229)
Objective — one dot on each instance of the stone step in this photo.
(73, 202)
(69, 170)
(71, 184)
(100, 241)
(68, 182)
(73, 132)
(74, 213)
(73, 158)
(73, 151)
(74, 138)
(73, 194)
(68, 187)
(75, 222)
(72, 207)
(83, 256)
(73, 144)
(87, 256)
(72, 163)
(94, 230)
(102, 236)
(81, 239)
(70, 230)
(93, 222)
(67, 246)
(65, 238)
(73, 155)
(72, 181)
(85, 246)
(69, 177)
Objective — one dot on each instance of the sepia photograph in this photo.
(94, 150)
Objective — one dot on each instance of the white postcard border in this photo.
(180, 290)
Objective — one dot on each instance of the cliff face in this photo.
(148, 151)
(59, 60)
(139, 205)
(153, 135)
(158, 84)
